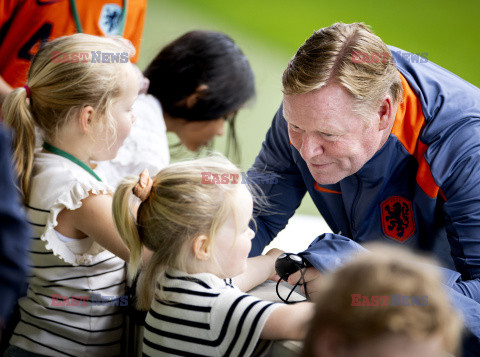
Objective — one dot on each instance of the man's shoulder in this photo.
(442, 94)
(440, 100)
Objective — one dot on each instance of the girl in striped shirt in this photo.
(79, 96)
(193, 286)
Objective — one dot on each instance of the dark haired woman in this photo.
(198, 82)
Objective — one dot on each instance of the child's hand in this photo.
(259, 269)
(274, 253)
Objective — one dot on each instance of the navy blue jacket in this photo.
(421, 189)
(14, 234)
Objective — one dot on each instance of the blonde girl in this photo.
(78, 97)
(200, 238)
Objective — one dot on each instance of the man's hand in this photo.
(313, 280)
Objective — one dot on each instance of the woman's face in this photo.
(195, 134)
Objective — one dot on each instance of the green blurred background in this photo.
(269, 33)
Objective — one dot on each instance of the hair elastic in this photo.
(144, 186)
(28, 91)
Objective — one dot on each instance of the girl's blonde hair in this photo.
(410, 300)
(183, 204)
(350, 55)
(66, 75)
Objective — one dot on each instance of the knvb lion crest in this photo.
(398, 221)
(109, 20)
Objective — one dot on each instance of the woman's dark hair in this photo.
(196, 58)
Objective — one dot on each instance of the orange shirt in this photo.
(24, 24)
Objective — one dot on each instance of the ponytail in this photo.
(128, 230)
(18, 116)
(126, 224)
(148, 279)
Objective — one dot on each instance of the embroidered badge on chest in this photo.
(398, 221)
(109, 21)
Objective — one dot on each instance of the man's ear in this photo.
(86, 119)
(201, 247)
(386, 113)
(192, 99)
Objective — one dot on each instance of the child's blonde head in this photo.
(421, 309)
(181, 206)
(62, 80)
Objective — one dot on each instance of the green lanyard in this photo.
(78, 24)
(72, 158)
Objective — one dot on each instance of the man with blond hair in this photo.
(387, 144)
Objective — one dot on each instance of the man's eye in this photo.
(329, 136)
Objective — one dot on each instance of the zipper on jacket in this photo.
(354, 206)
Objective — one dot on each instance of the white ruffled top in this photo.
(61, 269)
(58, 183)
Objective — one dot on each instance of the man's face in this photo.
(333, 140)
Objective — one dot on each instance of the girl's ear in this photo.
(201, 247)
(86, 119)
(192, 99)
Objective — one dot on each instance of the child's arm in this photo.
(94, 219)
(288, 322)
(259, 269)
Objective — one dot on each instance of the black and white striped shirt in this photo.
(203, 315)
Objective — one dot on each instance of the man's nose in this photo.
(311, 146)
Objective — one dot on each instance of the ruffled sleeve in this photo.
(72, 199)
(59, 184)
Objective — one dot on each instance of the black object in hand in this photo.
(288, 264)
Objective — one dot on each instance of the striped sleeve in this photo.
(243, 316)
